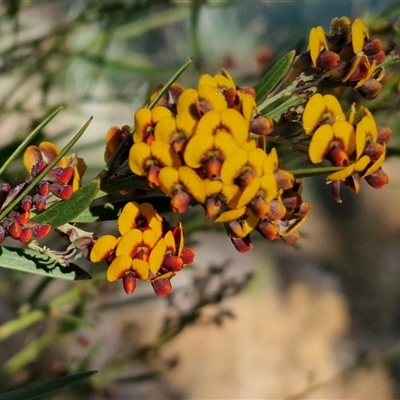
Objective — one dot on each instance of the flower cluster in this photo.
(59, 183)
(355, 143)
(347, 54)
(203, 145)
(148, 248)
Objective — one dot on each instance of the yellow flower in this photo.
(148, 159)
(181, 184)
(145, 122)
(321, 109)
(139, 216)
(334, 142)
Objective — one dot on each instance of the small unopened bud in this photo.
(373, 150)
(40, 230)
(4, 191)
(38, 168)
(379, 57)
(129, 282)
(378, 179)
(231, 97)
(384, 134)
(26, 203)
(372, 47)
(212, 168)
(277, 210)
(26, 235)
(64, 192)
(39, 202)
(370, 89)
(14, 229)
(248, 90)
(23, 218)
(292, 238)
(187, 256)
(172, 263)
(268, 230)
(284, 179)
(43, 188)
(338, 157)
(303, 210)
(162, 287)
(291, 199)
(180, 202)
(242, 245)
(213, 206)
(152, 176)
(259, 207)
(328, 60)
(261, 125)
(61, 175)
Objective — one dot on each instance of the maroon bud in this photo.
(384, 134)
(40, 230)
(378, 57)
(268, 230)
(372, 47)
(39, 202)
(38, 168)
(162, 287)
(129, 282)
(14, 229)
(242, 245)
(64, 192)
(292, 238)
(370, 89)
(61, 175)
(180, 202)
(187, 256)
(231, 97)
(26, 203)
(44, 188)
(26, 235)
(328, 60)
(378, 179)
(23, 218)
(173, 263)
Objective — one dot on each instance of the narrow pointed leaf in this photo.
(25, 260)
(41, 389)
(63, 212)
(273, 76)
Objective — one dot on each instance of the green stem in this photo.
(309, 172)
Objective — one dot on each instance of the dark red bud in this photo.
(187, 256)
(231, 97)
(41, 230)
(14, 229)
(242, 245)
(378, 179)
(44, 188)
(26, 203)
(38, 168)
(384, 134)
(26, 235)
(213, 206)
(261, 125)
(372, 47)
(39, 202)
(180, 202)
(129, 282)
(370, 89)
(64, 192)
(162, 287)
(328, 60)
(173, 263)
(378, 57)
(268, 230)
(212, 168)
(23, 218)
(61, 175)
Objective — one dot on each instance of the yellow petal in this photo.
(231, 215)
(361, 139)
(212, 187)
(344, 132)
(197, 148)
(313, 113)
(341, 174)
(126, 220)
(141, 268)
(234, 123)
(192, 182)
(142, 122)
(103, 247)
(157, 256)
(166, 130)
(225, 143)
(138, 155)
(320, 143)
(333, 107)
(209, 123)
(370, 127)
(362, 163)
(213, 97)
(187, 98)
(358, 33)
(129, 242)
(249, 192)
(119, 267)
(371, 70)
(233, 165)
(376, 165)
(316, 42)
(170, 241)
(164, 154)
(168, 178)
(256, 160)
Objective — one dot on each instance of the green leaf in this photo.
(63, 212)
(32, 262)
(111, 211)
(41, 389)
(273, 76)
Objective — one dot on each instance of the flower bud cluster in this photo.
(201, 145)
(148, 249)
(59, 182)
(347, 54)
(353, 141)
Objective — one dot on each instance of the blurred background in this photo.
(316, 320)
